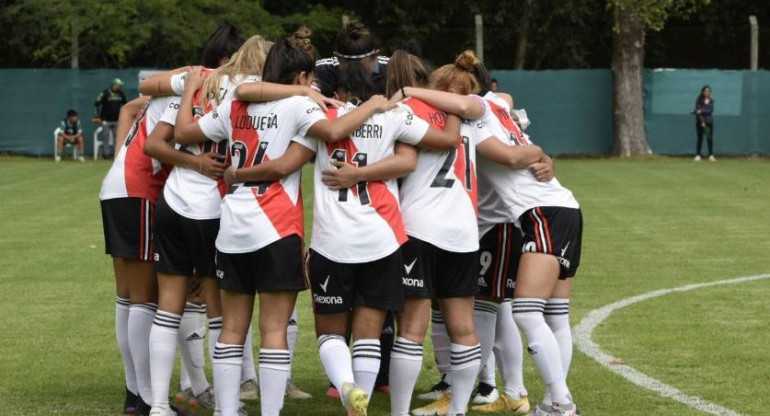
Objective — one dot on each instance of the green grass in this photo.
(649, 224)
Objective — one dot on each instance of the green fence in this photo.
(571, 110)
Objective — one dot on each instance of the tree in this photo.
(632, 19)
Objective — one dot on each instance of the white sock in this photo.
(466, 361)
(335, 356)
(557, 317)
(366, 363)
(190, 338)
(485, 320)
(249, 370)
(163, 337)
(215, 328)
(228, 360)
(184, 378)
(121, 334)
(528, 314)
(292, 331)
(405, 365)
(441, 343)
(487, 372)
(509, 352)
(274, 373)
(140, 317)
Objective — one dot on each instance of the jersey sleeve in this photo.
(216, 124)
(177, 83)
(410, 129)
(79, 128)
(307, 113)
(480, 132)
(169, 114)
(311, 144)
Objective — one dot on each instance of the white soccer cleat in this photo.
(162, 411)
(250, 390)
(294, 392)
(81, 159)
(57, 159)
(697, 158)
(556, 410)
(436, 391)
(485, 394)
(712, 158)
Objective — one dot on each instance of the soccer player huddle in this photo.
(429, 202)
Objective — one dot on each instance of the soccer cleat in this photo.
(241, 411)
(712, 158)
(436, 391)
(556, 410)
(142, 408)
(162, 411)
(294, 392)
(506, 403)
(697, 158)
(183, 396)
(81, 159)
(250, 390)
(355, 399)
(57, 159)
(485, 394)
(332, 392)
(205, 400)
(130, 403)
(440, 407)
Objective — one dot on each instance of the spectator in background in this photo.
(704, 122)
(106, 111)
(493, 86)
(70, 132)
(305, 35)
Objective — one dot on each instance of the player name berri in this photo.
(368, 131)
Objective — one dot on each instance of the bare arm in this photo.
(402, 163)
(159, 85)
(464, 106)
(187, 130)
(507, 97)
(294, 157)
(158, 146)
(126, 118)
(267, 91)
(514, 157)
(333, 131)
(446, 139)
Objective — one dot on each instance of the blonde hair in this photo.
(248, 60)
(458, 76)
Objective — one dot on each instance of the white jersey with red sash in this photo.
(362, 223)
(439, 199)
(505, 194)
(255, 214)
(134, 174)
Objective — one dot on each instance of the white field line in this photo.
(584, 330)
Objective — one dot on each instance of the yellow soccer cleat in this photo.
(506, 403)
(438, 408)
(354, 399)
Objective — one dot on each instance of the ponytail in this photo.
(356, 80)
(287, 59)
(221, 44)
(248, 60)
(459, 76)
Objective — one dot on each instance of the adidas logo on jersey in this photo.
(327, 300)
(411, 282)
(482, 282)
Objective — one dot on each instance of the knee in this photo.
(413, 332)
(463, 332)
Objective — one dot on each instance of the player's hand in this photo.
(380, 103)
(96, 120)
(230, 176)
(697, 111)
(397, 97)
(322, 100)
(345, 176)
(195, 78)
(543, 170)
(209, 165)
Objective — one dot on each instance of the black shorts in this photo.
(431, 272)
(557, 231)
(184, 246)
(337, 287)
(277, 267)
(499, 254)
(128, 227)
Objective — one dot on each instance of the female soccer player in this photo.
(440, 257)
(187, 220)
(259, 245)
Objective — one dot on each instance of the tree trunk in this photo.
(522, 41)
(627, 65)
(74, 43)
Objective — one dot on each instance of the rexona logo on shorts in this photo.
(411, 282)
(327, 300)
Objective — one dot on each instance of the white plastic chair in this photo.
(97, 142)
(66, 145)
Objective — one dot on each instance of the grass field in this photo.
(649, 224)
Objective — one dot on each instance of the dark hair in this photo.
(493, 81)
(410, 46)
(71, 113)
(356, 80)
(405, 70)
(481, 74)
(224, 42)
(355, 40)
(303, 37)
(702, 90)
(285, 61)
